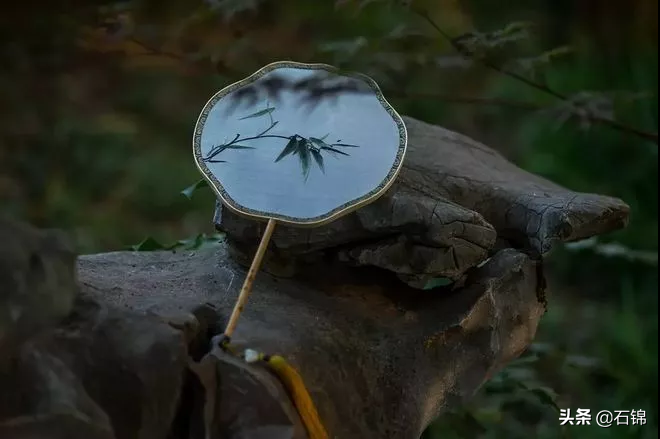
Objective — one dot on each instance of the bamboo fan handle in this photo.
(249, 280)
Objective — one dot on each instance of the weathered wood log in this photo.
(452, 199)
(380, 358)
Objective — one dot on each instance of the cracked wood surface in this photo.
(530, 212)
(452, 201)
(380, 358)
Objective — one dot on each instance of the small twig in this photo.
(653, 137)
(464, 100)
(272, 125)
(218, 149)
(389, 93)
(272, 122)
(538, 86)
(156, 51)
(267, 136)
(249, 279)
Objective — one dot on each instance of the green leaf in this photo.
(319, 143)
(321, 138)
(546, 395)
(304, 155)
(319, 159)
(438, 282)
(514, 27)
(230, 8)
(556, 52)
(199, 241)
(259, 113)
(290, 148)
(148, 244)
(534, 64)
(188, 192)
(333, 150)
(524, 361)
(202, 240)
(614, 250)
(347, 48)
(239, 147)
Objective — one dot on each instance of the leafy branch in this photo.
(233, 144)
(614, 250)
(475, 46)
(315, 87)
(471, 47)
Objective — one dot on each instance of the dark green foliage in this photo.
(197, 242)
(190, 190)
(100, 147)
(437, 282)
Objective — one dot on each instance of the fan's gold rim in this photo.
(222, 194)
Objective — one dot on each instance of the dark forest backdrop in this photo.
(99, 99)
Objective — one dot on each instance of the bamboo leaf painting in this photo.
(290, 148)
(304, 156)
(271, 156)
(263, 112)
(333, 150)
(239, 147)
(307, 149)
(318, 158)
(317, 142)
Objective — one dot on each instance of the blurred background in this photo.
(99, 99)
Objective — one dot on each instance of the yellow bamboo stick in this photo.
(249, 280)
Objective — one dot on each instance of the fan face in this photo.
(299, 143)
